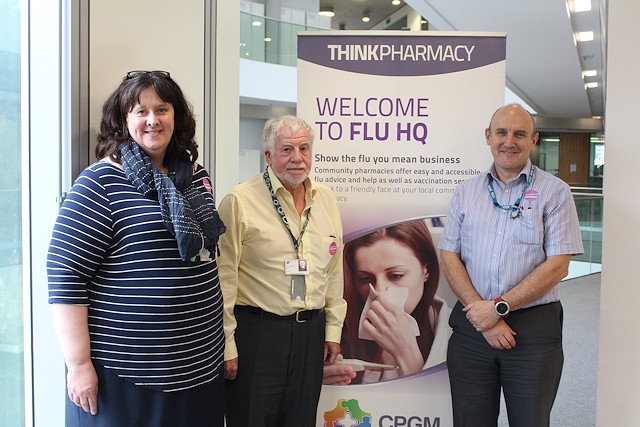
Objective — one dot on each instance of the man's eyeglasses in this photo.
(132, 74)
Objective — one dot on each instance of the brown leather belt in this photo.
(299, 316)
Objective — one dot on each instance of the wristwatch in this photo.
(501, 307)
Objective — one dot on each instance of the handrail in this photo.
(587, 188)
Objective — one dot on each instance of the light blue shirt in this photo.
(498, 251)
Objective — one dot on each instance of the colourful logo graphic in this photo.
(347, 413)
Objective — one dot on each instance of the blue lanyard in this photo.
(278, 206)
(515, 209)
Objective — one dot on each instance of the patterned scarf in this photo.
(185, 212)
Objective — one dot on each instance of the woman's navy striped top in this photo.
(153, 319)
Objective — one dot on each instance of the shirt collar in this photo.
(526, 170)
(309, 185)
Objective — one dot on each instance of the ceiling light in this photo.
(256, 23)
(581, 5)
(585, 36)
(365, 16)
(590, 73)
(591, 85)
(395, 2)
(327, 11)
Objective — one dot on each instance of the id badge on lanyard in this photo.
(297, 268)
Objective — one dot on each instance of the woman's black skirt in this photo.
(123, 404)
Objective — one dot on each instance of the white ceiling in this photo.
(544, 64)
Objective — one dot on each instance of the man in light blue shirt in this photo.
(507, 243)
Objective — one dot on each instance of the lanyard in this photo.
(278, 206)
(515, 209)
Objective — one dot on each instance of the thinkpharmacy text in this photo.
(418, 52)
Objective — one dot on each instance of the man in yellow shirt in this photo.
(281, 322)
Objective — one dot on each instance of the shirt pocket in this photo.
(329, 246)
(529, 228)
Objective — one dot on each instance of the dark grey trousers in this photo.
(279, 372)
(528, 374)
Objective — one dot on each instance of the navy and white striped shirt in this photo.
(499, 251)
(153, 319)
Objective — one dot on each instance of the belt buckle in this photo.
(298, 319)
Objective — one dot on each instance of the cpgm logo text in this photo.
(400, 421)
(348, 413)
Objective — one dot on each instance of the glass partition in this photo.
(589, 202)
(269, 40)
(11, 334)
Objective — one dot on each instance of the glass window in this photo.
(597, 159)
(11, 336)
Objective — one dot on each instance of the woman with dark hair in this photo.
(132, 273)
(394, 317)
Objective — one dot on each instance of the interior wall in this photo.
(573, 162)
(619, 341)
(129, 35)
(251, 134)
(251, 142)
(225, 119)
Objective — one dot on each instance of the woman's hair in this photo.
(113, 127)
(415, 235)
(273, 126)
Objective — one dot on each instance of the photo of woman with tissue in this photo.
(395, 324)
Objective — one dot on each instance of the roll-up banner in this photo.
(399, 121)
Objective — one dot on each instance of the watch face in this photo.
(502, 308)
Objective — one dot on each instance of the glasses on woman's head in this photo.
(132, 74)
